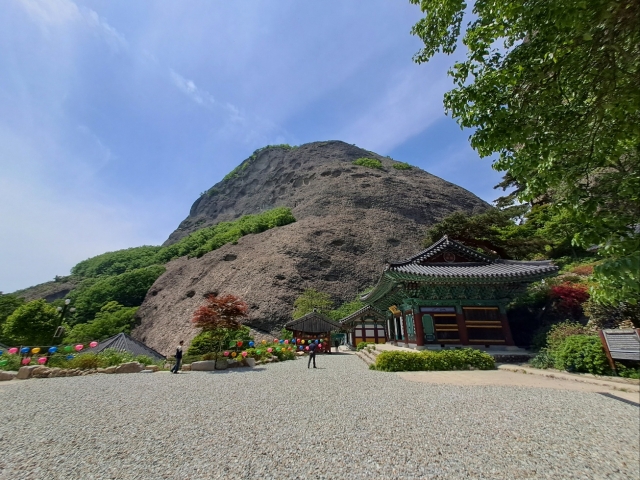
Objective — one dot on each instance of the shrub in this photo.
(86, 361)
(111, 357)
(463, 359)
(362, 345)
(544, 359)
(368, 162)
(144, 360)
(402, 166)
(10, 362)
(569, 298)
(627, 372)
(582, 353)
(561, 331)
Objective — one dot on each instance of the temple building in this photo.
(313, 326)
(450, 294)
(364, 325)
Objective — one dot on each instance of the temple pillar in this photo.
(506, 330)
(462, 326)
(405, 335)
(417, 319)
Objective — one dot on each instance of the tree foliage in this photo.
(220, 311)
(33, 323)
(551, 87)
(311, 300)
(8, 304)
(127, 289)
(112, 319)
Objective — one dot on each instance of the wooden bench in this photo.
(621, 345)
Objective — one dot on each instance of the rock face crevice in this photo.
(350, 220)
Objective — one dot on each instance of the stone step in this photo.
(365, 358)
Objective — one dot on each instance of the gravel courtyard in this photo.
(285, 421)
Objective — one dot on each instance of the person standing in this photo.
(312, 353)
(176, 367)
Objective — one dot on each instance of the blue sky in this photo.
(115, 115)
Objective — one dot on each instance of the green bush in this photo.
(582, 353)
(627, 372)
(362, 345)
(402, 166)
(111, 357)
(561, 331)
(115, 263)
(85, 361)
(463, 359)
(9, 362)
(368, 162)
(112, 319)
(544, 359)
(144, 360)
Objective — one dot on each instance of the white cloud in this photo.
(412, 104)
(58, 13)
(186, 86)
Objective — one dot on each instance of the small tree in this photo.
(33, 323)
(309, 300)
(220, 314)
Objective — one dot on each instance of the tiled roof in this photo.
(483, 267)
(312, 323)
(445, 243)
(125, 343)
(355, 315)
(495, 269)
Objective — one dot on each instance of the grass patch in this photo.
(402, 166)
(368, 162)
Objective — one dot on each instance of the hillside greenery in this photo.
(236, 172)
(110, 287)
(368, 162)
(402, 166)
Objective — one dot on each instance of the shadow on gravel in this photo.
(609, 395)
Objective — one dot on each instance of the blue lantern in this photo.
(69, 357)
(293, 340)
(300, 347)
(25, 350)
(251, 344)
(53, 350)
(281, 341)
(1, 352)
(317, 342)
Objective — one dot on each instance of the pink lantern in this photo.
(306, 348)
(269, 349)
(78, 347)
(286, 342)
(93, 344)
(226, 354)
(13, 350)
(42, 360)
(244, 354)
(26, 361)
(275, 340)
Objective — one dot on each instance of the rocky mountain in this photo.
(350, 220)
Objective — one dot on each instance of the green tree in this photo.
(309, 300)
(33, 323)
(8, 304)
(127, 289)
(551, 87)
(112, 319)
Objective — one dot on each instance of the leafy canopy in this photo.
(33, 323)
(112, 319)
(311, 300)
(551, 87)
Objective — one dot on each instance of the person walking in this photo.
(336, 343)
(176, 367)
(312, 353)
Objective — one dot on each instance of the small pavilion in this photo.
(313, 326)
(124, 343)
(450, 294)
(365, 325)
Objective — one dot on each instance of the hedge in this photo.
(459, 359)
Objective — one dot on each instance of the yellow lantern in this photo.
(35, 350)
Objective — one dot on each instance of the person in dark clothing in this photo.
(336, 343)
(176, 367)
(312, 353)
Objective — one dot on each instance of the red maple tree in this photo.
(220, 311)
(569, 298)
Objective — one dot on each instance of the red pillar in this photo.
(417, 319)
(462, 329)
(404, 329)
(508, 340)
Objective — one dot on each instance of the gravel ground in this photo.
(285, 421)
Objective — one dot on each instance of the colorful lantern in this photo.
(244, 354)
(264, 342)
(53, 350)
(93, 344)
(78, 347)
(306, 348)
(35, 350)
(25, 350)
(226, 353)
(275, 340)
(239, 343)
(42, 360)
(68, 348)
(269, 349)
(251, 344)
(69, 357)
(233, 354)
(26, 361)
(286, 342)
(302, 342)
(13, 350)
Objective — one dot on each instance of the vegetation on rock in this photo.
(402, 166)
(368, 162)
